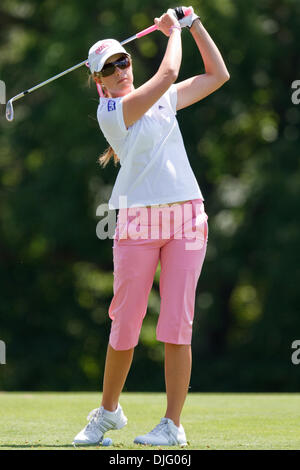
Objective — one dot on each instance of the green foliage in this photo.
(55, 274)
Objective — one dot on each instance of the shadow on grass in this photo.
(99, 447)
(37, 446)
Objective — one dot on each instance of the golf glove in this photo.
(187, 21)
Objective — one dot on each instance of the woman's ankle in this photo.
(109, 406)
(176, 421)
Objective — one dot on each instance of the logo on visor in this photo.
(103, 46)
(111, 105)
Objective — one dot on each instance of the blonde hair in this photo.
(109, 153)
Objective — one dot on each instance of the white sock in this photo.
(112, 412)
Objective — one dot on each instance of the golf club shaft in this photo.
(65, 72)
(9, 106)
(55, 77)
(126, 41)
(30, 90)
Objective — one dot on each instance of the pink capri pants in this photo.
(175, 235)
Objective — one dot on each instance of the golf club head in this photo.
(9, 110)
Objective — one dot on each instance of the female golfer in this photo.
(155, 176)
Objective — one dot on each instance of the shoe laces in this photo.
(93, 417)
(162, 426)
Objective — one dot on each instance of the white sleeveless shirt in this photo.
(154, 165)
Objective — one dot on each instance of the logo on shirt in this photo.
(111, 105)
(160, 107)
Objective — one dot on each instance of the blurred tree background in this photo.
(56, 276)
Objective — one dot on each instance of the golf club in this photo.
(180, 13)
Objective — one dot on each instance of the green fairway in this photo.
(211, 421)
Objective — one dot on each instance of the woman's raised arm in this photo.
(137, 102)
(216, 74)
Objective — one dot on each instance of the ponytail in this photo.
(107, 155)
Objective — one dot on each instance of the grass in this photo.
(211, 421)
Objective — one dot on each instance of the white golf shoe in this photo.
(164, 434)
(100, 421)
